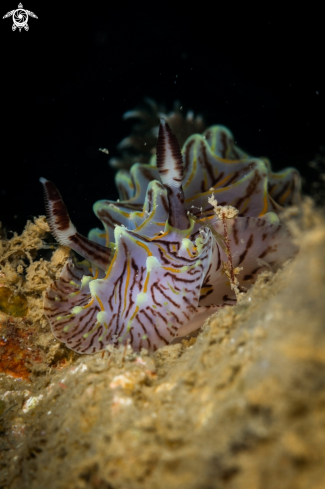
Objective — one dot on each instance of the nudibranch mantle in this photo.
(165, 261)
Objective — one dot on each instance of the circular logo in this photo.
(20, 18)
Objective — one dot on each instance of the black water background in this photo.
(67, 81)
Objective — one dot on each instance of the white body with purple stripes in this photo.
(159, 267)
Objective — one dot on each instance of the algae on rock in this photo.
(240, 406)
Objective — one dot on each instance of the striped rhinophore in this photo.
(165, 261)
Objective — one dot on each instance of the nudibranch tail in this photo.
(65, 232)
(171, 169)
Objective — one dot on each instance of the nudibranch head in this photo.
(166, 259)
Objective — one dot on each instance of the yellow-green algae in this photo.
(11, 304)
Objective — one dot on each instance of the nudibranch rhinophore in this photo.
(193, 227)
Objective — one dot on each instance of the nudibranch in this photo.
(192, 228)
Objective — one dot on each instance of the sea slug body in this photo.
(171, 252)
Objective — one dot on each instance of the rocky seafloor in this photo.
(242, 405)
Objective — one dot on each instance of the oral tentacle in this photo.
(65, 232)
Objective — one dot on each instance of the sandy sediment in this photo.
(240, 406)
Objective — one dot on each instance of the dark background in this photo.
(67, 82)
